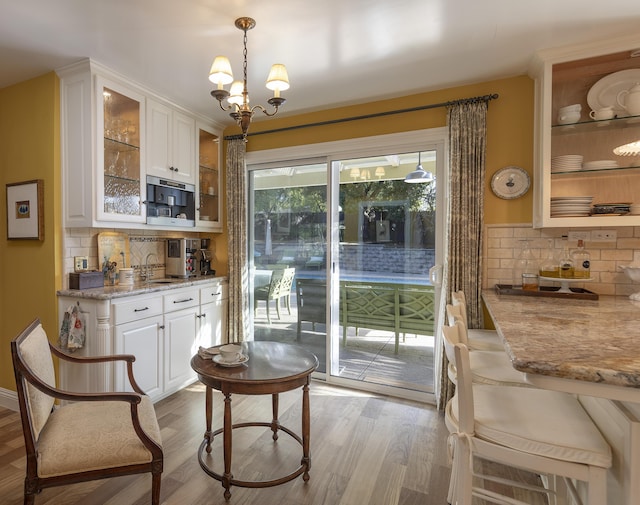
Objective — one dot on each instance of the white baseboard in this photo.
(9, 399)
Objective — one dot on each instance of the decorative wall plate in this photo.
(510, 182)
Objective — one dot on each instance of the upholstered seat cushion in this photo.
(484, 340)
(541, 422)
(494, 367)
(94, 435)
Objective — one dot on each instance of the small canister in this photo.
(126, 276)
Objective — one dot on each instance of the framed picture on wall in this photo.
(25, 218)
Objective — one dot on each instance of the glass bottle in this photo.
(566, 263)
(525, 263)
(581, 261)
(549, 267)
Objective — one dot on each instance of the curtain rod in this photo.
(475, 99)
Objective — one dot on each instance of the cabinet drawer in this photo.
(214, 293)
(131, 310)
(181, 300)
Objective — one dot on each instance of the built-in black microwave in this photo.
(170, 203)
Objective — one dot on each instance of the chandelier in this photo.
(238, 96)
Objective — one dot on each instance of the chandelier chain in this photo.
(245, 92)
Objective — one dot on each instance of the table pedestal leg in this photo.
(208, 395)
(227, 430)
(306, 428)
(275, 424)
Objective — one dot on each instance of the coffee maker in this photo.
(205, 256)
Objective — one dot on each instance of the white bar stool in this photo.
(545, 432)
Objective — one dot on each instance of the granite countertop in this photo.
(155, 285)
(588, 340)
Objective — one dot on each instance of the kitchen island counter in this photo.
(581, 346)
(590, 348)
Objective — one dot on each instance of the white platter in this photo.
(604, 93)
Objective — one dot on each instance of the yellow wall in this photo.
(29, 269)
(29, 149)
(509, 135)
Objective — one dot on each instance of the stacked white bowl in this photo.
(570, 114)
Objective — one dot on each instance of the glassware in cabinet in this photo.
(208, 179)
(122, 189)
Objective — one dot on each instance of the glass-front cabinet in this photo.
(114, 134)
(121, 188)
(587, 157)
(209, 198)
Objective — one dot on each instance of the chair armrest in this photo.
(129, 358)
(90, 359)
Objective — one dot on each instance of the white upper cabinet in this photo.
(171, 143)
(113, 134)
(102, 132)
(209, 194)
(584, 177)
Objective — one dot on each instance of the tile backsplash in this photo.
(503, 243)
(142, 245)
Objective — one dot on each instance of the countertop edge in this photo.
(111, 292)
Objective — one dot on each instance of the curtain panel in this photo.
(236, 192)
(467, 122)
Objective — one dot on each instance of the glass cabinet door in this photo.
(209, 179)
(122, 185)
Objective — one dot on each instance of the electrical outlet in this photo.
(80, 263)
(604, 235)
(574, 236)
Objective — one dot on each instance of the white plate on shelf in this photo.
(600, 165)
(241, 361)
(604, 93)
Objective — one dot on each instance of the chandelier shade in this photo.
(237, 97)
(221, 72)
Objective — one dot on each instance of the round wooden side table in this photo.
(272, 368)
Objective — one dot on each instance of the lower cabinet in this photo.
(213, 315)
(180, 331)
(143, 339)
(163, 330)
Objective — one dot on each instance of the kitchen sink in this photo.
(163, 281)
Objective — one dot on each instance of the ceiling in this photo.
(337, 52)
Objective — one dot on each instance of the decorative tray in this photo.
(547, 291)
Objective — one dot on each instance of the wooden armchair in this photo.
(279, 287)
(92, 436)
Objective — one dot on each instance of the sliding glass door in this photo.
(341, 249)
(288, 221)
(386, 302)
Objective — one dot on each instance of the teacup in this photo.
(230, 352)
(603, 113)
(569, 117)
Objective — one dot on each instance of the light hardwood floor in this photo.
(365, 450)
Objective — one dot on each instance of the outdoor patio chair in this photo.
(279, 287)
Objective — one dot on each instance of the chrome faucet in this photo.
(146, 276)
